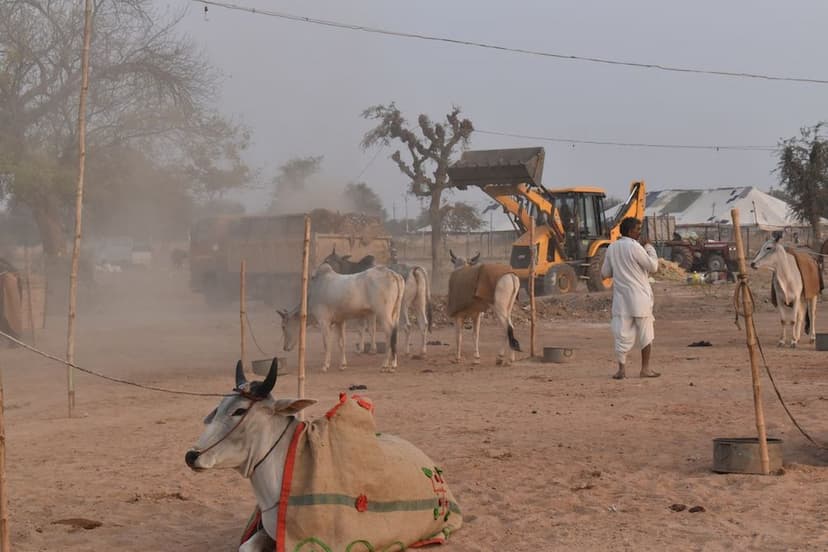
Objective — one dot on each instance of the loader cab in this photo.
(582, 214)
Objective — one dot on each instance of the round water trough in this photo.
(741, 455)
(821, 342)
(262, 367)
(556, 354)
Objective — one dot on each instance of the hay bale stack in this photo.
(668, 270)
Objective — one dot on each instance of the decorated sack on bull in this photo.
(331, 485)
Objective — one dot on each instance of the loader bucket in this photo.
(503, 166)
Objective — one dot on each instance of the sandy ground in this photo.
(540, 456)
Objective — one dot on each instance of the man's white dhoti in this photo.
(628, 331)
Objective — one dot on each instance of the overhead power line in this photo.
(525, 51)
(710, 147)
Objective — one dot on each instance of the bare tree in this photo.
(803, 175)
(428, 155)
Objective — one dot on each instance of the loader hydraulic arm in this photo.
(509, 197)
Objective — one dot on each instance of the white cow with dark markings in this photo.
(335, 298)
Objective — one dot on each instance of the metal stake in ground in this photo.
(303, 310)
(5, 542)
(751, 343)
(243, 309)
(28, 267)
(73, 275)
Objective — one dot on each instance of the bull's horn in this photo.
(240, 379)
(333, 251)
(264, 388)
(475, 258)
(452, 255)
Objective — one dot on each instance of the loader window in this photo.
(588, 217)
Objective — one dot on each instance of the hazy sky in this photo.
(301, 87)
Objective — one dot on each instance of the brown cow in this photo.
(473, 288)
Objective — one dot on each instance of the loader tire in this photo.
(597, 282)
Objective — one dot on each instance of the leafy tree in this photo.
(294, 174)
(429, 149)
(803, 175)
(364, 199)
(150, 91)
(462, 217)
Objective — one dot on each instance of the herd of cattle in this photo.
(337, 483)
(341, 290)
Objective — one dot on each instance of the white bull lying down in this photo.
(473, 288)
(331, 484)
(334, 298)
(795, 288)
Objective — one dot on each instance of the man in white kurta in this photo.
(629, 264)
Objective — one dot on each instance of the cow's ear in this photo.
(288, 407)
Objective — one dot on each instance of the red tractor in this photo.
(698, 255)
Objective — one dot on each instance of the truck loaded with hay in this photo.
(271, 246)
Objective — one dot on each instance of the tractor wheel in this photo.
(683, 257)
(597, 282)
(716, 263)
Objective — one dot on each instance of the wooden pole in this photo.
(751, 343)
(303, 309)
(243, 309)
(532, 288)
(73, 275)
(28, 268)
(5, 542)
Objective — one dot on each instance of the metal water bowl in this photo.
(741, 455)
(262, 367)
(556, 355)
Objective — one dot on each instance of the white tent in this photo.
(712, 207)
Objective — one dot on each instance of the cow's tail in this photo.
(399, 283)
(510, 332)
(427, 290)
(807, 318)
(514, 344)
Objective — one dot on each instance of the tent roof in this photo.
(701, 207)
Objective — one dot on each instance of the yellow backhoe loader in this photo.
(571, 230)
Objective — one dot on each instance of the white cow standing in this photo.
(505, 295)
(335, 298)
(418, 295)
(794, 310)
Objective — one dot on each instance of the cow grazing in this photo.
(388, 494)
(795, 288)
(473, 288)
(335, 298)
